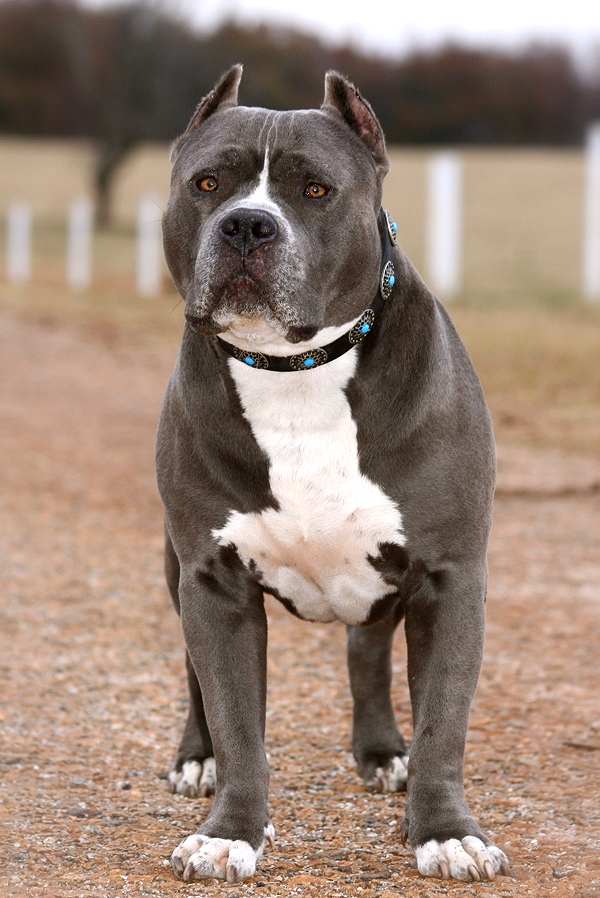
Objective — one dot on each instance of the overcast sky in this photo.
(390, 26)
(393, 26)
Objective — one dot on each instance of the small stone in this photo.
(563, 872)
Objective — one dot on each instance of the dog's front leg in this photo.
(444, 630)
(225, 628)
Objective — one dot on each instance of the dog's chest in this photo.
(314, 549)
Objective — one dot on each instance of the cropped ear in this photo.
(223, 95)
(344, 99)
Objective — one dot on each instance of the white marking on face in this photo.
(314, 549)
(260, 198)
(292, 267)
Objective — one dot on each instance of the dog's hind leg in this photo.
(378, 747)
(194, 772)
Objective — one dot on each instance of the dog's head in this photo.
(272, 216)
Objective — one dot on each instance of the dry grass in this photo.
(534, 342)
(522, 215)
(539, 366)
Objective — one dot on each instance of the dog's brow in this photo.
(309, 164)
(228, 155)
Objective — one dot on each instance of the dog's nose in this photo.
(247, 229)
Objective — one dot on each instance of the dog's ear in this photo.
(223, 95)
(343, 98)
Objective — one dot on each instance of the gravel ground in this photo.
(93, 657)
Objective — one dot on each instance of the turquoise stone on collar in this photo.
(363, 326)
(306, 361)
(392, 227)
(250, 357)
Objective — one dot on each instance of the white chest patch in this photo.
(314, 549)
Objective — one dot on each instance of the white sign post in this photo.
(591, 223)
(79, 243)
(18, 245)
(149, 253)
(444, 224)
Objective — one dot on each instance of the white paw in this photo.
(392, 777)
(467, 859)
(202, 857)
(195, 778)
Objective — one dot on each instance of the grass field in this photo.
(522, 213)
(534, 341)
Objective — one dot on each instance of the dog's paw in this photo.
(202, 857)
(196, 778)
(468, 859)
(391, 777)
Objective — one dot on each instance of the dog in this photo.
(324, 439)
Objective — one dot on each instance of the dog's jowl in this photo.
(324, 439)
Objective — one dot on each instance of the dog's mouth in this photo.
(244, 311)
(240, 295)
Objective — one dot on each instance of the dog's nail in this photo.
(204, 790)
(474, 873)
(404, 832)
(444, 870)
(232, 873)
(488, 869)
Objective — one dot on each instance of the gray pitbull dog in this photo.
(353, 482)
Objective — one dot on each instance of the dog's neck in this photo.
(258, 334)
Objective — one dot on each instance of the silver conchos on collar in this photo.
(251, 358)
(363, 326)
(308, 360)
(392, 227)
(388, 279)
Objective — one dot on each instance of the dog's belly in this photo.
(314, 549)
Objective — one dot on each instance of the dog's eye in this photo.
(207, 185)
(315, 191)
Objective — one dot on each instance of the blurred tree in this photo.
(143, 73)
(135, 71)
(43, 87)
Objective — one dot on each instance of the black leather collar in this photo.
(313, 358)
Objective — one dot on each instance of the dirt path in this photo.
(93, 658)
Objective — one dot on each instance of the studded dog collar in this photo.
(313, 358)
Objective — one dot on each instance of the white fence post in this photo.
(148, 262)
(79, 244)
(591, 224)
(18, 244)
(444, 224)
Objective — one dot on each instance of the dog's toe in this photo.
(203, 857)
(468, 860)
(391, 777)
(195, 778)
